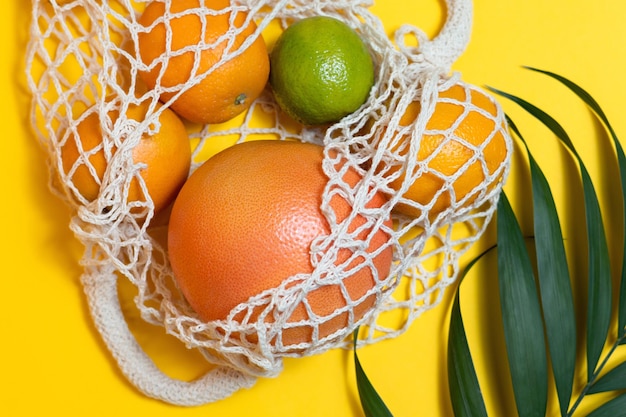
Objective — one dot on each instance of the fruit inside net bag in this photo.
(436, 147)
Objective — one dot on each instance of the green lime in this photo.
(320, 70)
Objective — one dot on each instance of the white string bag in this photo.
(81, 52)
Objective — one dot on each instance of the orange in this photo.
(166, 154)
(225, 92)
(471, 133)
(244, 222)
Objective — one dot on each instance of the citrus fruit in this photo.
(226, 91)
(166, 154)
(244, 222)
(474, 128)
(320, 70)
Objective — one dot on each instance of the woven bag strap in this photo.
(136, 365)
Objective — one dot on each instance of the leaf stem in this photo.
(595, 375)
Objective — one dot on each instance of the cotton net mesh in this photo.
(82, 52)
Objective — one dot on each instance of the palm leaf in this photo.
(465, 394)
(372, 404)
(614, 408)
(554, 282)
(621, 160)
(599, 273)
(521, 316)
(614, 380)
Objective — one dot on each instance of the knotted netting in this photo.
(83, 52)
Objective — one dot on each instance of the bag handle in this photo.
(451, 41)
(138, 367)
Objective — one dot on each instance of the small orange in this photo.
(473, 129)
(244, 222)
(225, 92)
(167, 155)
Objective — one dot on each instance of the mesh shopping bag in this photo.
(82, 52)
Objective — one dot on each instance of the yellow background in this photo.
(52, 359)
